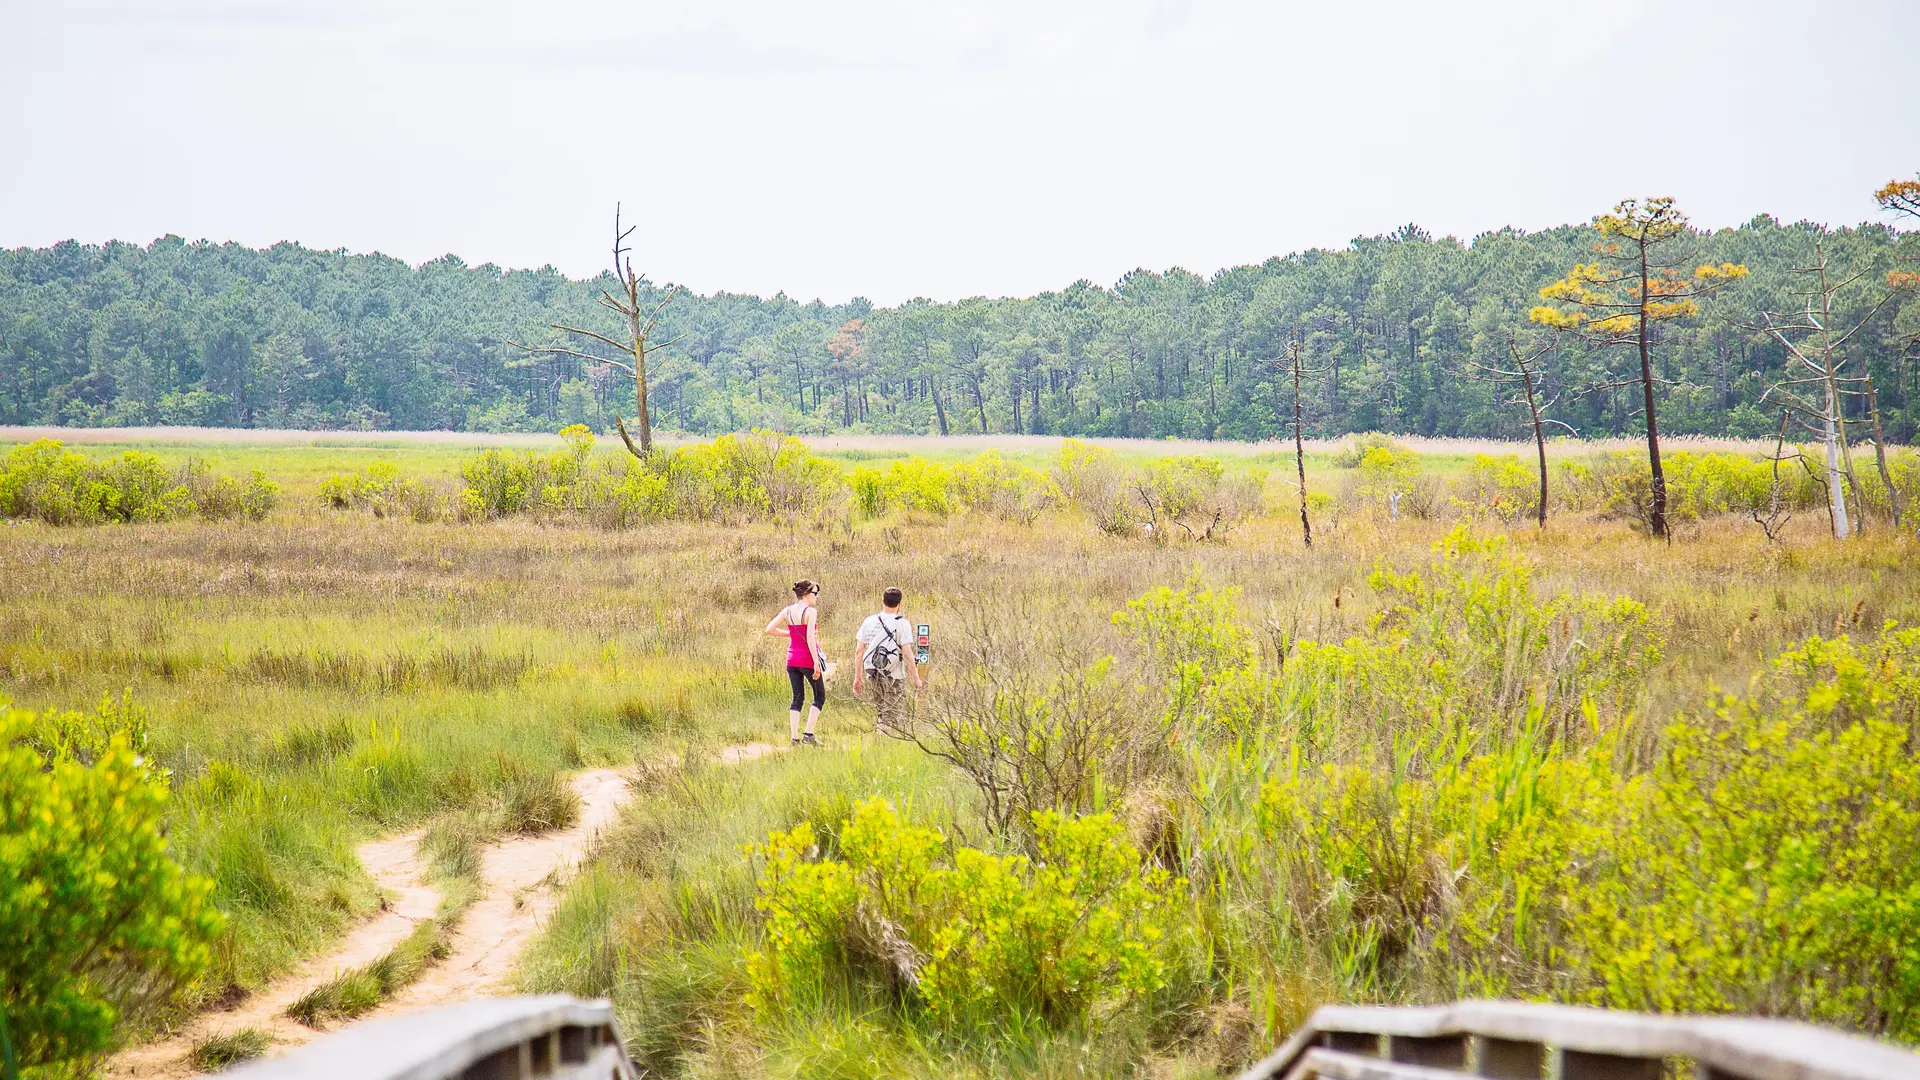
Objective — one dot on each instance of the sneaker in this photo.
(793, 742)
(809, 740)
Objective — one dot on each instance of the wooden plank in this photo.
(492, 1037)
(1580, 1065)
(1505, 1059)
(1319, 1063)
(1439, 1051)
(1746, 1049)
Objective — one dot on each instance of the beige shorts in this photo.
(889, 700)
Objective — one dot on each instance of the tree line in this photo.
(1403, 332)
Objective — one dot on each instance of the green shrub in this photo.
(1195, 496)
(764, 475)
(379, 489)
(216, 498)
(1096, 480)
(980, 941)
(1184, 496)
(1460, 651)
(46, 481)
(1698, 484)
(97, 916)
(1764, 864)
(1501, 488)
(500, 483)
(1390, 479)
(1353, 453)
(990, 484)
(1904, 467)
(913, 484)
(1481, 644)
(1759, 863)
(733, 478)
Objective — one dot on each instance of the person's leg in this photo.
(797, 678)
(819, 700)
(888, 696)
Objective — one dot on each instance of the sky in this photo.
(1000, 147)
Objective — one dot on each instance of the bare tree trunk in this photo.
(1299, 451)
(1880, 453)
(1657, 515)
(1539, 440)
(1772, 523)
(645, 419)
(1836, 489)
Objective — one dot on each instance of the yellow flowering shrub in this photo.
(96, 915)
(967, 935)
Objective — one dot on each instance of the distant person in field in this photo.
(885, 656)
(806, 664)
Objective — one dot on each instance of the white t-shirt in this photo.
(881, 624)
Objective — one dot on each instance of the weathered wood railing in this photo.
(567, 1039)
(508, 1038)
(1521, 1041)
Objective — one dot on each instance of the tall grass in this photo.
(316, 678)
(1356, 786)
(452, 846)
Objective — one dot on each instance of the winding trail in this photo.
(521, 880)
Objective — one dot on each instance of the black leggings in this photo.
(800, 677)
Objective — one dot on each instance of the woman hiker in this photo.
(806, 665)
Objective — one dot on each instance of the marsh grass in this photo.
(360, 991)
(217, 1052)
(452, 846)
(316, 678)
(533, 801)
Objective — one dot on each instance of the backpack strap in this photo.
(887, 636)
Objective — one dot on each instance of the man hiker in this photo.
(884, 654)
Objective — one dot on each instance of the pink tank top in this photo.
(798, 655)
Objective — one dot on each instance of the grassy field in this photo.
(301, 459)
(321, 676)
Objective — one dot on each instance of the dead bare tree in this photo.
(1816, 392)
(1895, 502)
(639, 322)
(1290, 364)
(1775, 519)
(1524, 369)
(1033, 714)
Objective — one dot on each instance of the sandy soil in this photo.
(522, 878)
(397, 866)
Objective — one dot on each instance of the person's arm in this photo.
(813, 642)
(912, 663)
(860, 647)
(908, 652)
(778, 624)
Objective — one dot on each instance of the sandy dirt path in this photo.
(521, 878)
(400, 871)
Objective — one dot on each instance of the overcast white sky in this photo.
(999, 147)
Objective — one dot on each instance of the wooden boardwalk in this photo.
(566, 1039)
(1514, 1040)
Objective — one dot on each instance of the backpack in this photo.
(886, 650)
